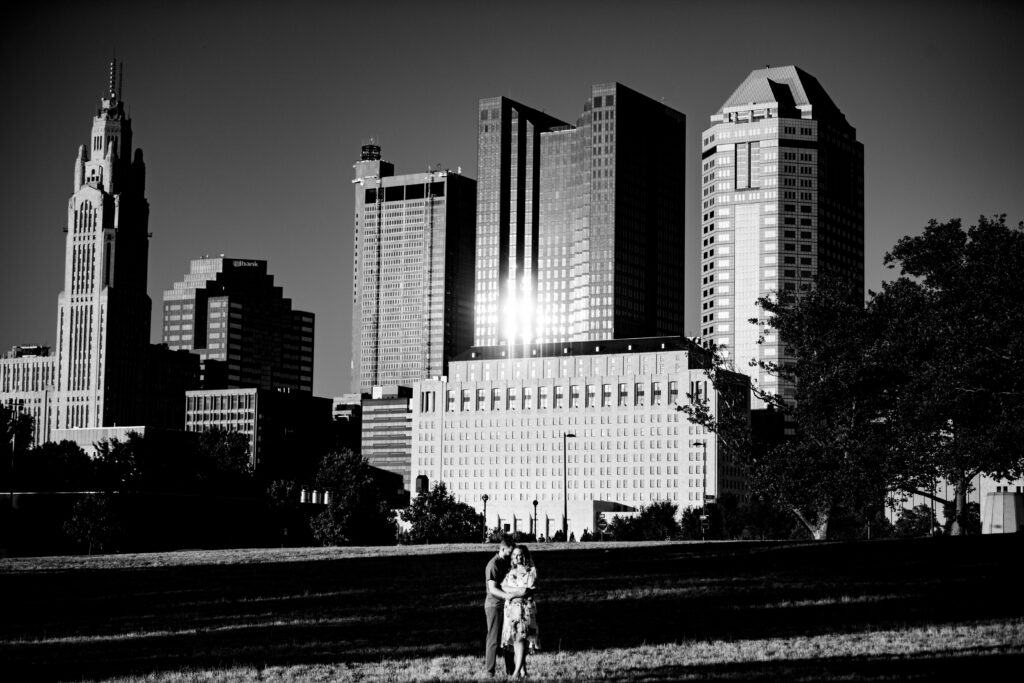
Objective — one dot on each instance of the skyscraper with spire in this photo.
(103, 314)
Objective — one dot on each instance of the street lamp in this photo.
(704, 488)
(565, 484)
(535, 519)
(485, 498)
(15, 420)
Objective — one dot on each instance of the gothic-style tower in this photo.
(103, 314)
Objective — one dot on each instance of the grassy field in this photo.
(883, 610)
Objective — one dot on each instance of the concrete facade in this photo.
(497, 426)
(782, 202)
(412, 303)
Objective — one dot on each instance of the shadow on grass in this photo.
(93, 624)
(917, 668)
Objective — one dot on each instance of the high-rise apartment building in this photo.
(783, 202)
(230, 313)
(104, 312)
(579, 228)
(412, 301)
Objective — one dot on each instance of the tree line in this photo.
(923, 382)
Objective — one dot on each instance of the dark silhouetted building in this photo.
(230, 313)
(579, 228)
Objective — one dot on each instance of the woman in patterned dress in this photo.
(519, 630)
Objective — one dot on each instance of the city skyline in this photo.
(251, 117)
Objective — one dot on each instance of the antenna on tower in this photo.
(120, 82)
(113, 73)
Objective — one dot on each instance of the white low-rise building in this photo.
(497, 425)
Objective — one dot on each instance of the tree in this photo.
(16, 429)
(119, 464)
(94, 522)
(55, 466)
(917, 522)
(358, 513)
(955, 341)
(835, 458)
(971, 522)
(437, 517)
(223, 458)
(654, 522)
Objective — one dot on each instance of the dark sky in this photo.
(251, 115)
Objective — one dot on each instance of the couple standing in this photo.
(510, 608)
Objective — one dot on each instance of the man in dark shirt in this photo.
(494, 604)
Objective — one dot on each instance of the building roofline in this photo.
(584, 348)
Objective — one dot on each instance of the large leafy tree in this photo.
(358, 512)
(437, 517)
(954, 344)
(833, 457)
(222, 458)
(16, 431)
(655, 522)
(53, 466)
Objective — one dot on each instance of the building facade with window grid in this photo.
(229, 312)
(579, 227)
(27, 385)
(782, 203)
(496, 427)
(286, 432)
(386, 430)
(412, 281)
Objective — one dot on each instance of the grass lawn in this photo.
(881, 610)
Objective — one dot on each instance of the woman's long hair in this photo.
(527, 557)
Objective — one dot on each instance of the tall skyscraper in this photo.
(783, 202)
(104, 312)
(412, 301)
(230, 313)
(579, 228)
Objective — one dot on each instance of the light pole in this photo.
(704, 489)
(485, 498)
(15, 420)
(565, 485)
(535, 519)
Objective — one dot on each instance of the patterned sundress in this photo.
(520, 613)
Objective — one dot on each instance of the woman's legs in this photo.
(520, 650)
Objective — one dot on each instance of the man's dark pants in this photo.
(495, 617)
